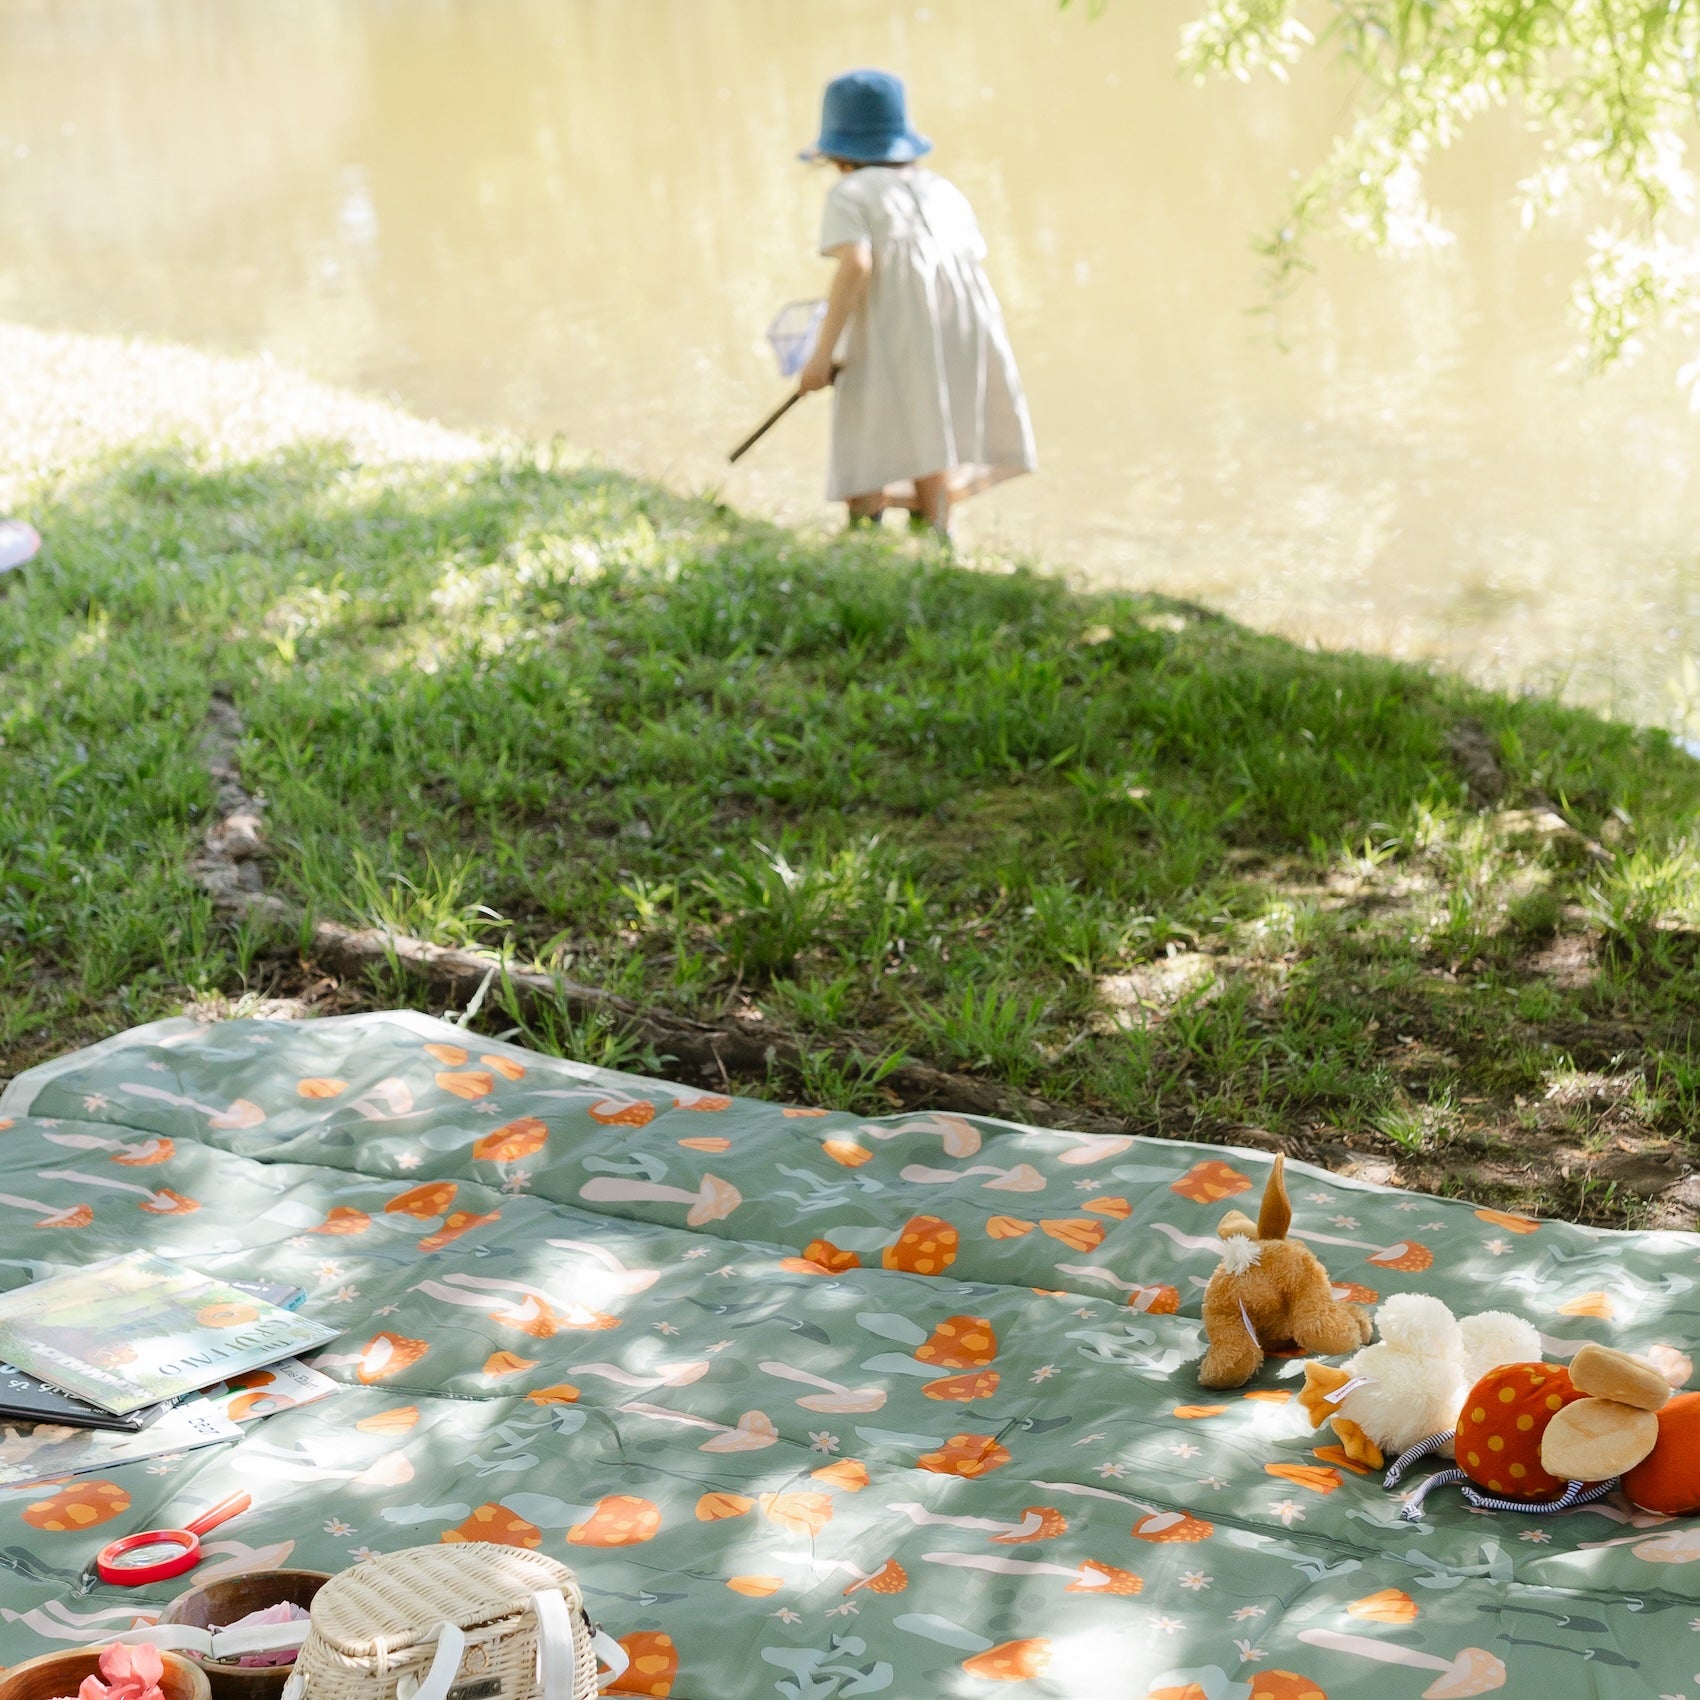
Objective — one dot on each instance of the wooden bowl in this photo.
(54, 1675)
(216, 1605)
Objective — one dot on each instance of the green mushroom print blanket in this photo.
(816, 1406)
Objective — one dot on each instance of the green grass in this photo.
(881, 798)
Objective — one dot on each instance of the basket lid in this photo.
(396, 1600)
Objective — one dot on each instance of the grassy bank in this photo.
(1115, 851)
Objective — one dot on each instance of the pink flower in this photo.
(132, 1673)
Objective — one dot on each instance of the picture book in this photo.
(25, 1399)
(43, 1451)
(138, 1329)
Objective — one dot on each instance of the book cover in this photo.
(138, 1329)
(41, 1452)
(25, 1399)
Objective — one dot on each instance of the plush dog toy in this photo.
(1411, 1382)
(1542, 1437)
(1269, 1292)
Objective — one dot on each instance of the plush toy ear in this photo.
(1593, 1440)
(1608, 1374)
(1235, 1224)
(1276, 1216)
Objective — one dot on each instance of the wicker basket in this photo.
(468, 1621)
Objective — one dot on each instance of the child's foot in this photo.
(867, 521)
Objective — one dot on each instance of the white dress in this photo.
(929, 383)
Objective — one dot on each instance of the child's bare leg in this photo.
(932, 501)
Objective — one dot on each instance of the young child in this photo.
(927, 406)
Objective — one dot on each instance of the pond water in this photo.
(577, 216)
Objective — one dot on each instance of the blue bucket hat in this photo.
(865, 119)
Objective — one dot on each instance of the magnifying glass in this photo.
(156, 1555)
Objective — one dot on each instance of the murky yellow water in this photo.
(578, 216)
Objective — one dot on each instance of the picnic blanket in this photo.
(816, 1405)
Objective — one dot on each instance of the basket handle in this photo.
(557, 1646)
(451, 1644)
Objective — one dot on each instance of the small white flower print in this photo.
(329, 1271)
(721, 1346)
(727, 1269)
(1168, 1625)
(361, 1554)
(1247, 1652)
(1043, 1373)
(786, 1615)
(1088, 1439)
(666, 1328)
(1694, 1624)
(685, 1257)
(336, 1526)
(518, 1181)
(298, 1243)
(156, 1068)
(1540, 1537)
(848, 1609)
(344, 1295)
(1211, 1482)
(1345, 1221)
(1409, 1204)
(1244, 1614)
(823, 1442)
(1112, 1471)
(1196, 1580)
(1496, 1248)
(1320, 1197)
(409, 1160)
(1186, 1451)
(1085, 1313)
(97, 1101)
(1431, 1227)
(1288, 1510)
(1087, 1185)
(386, 1310)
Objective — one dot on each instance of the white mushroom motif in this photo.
(1474, 1670)
(1038, 1522)
(834, 1397)
(52, 1215)
(960, 1138)
(239, 1114)
(713, 1201)
(1022, 1178)
(158, 1203)
(1092, 1147)
(1089, 1576)
(752, 1431)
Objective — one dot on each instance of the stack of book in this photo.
(137, 1356)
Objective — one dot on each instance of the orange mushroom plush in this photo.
(1529, 1432)
(1269, 1292)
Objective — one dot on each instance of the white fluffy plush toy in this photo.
(1411, 1381)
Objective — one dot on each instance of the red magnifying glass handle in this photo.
(234, 1506)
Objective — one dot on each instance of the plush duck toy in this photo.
(1411, 1382)
(1542, 1437)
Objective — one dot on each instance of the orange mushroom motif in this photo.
(225, 1315)
(708, 1102)
(890, 1578)
(398, 1420)
(321, 1086)
(1117, 1208)
(165, 1201)
(804, 1513)
(712, 1145)
(968, 1455)
(159, 1149)
(506, 1067)
(1284, 1685)
(926, 1246)
(562, 1393)
(801, 1113)
(422, 1202)
(1210, 1181)
(850, 1474)
(964, 1389)
(499, 1364)
(469, 1084)
(1589, 1304)
(343, 1219)
(830, 1257)
(620, 1520)
(654, 1664)
(456, 1223)
(1506, 1219)
(1008, 1227)
(385, 1355)
(1011, 1661)
(718, 1507)
(512, 1141)
(1078, 1233)
(80, 1506)
(1172, 1527)
(959, 1342)
(755, 1587)
(1158, 1300)
(1387, 1605)
(845, 1152)
(498, 1524)
(630, 1112)
(450, 1056)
